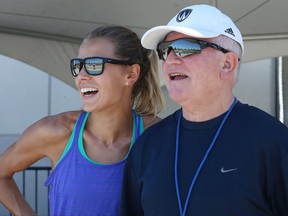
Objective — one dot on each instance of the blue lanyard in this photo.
(183, 211)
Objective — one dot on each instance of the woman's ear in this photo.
(230, 65)
(133, 74)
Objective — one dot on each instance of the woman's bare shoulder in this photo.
(65, 120)
(51, 130)
(46, 137)
(55, 124)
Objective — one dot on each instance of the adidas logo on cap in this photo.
(230, 31)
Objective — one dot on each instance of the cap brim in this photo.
(154, 36)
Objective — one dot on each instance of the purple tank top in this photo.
(78, 186)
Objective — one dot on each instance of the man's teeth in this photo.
(175, 76)
(85, 90)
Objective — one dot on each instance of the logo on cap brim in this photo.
(230, 31)
(183, 15)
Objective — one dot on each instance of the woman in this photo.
(120, 92)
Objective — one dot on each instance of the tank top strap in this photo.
(75, 134)
(138, 126)
(81, 121)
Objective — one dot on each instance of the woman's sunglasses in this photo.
(185, 47)
(93, 65)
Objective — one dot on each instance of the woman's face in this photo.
(107, 90)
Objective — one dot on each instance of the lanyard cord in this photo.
(183, 211)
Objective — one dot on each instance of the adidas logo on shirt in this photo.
(230, 31)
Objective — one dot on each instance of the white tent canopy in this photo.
(46, 34)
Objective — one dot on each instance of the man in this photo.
(215, 155)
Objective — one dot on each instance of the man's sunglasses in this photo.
(185, 47)
(93, 65)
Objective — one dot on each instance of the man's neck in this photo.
(210, 110)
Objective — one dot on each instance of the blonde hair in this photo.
(147, 97)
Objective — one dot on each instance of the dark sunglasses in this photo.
(93, 65)
(185, 47)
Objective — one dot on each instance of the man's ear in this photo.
(230, 65)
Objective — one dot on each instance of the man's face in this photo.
(194, 78)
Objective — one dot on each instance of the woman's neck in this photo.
(108, 127)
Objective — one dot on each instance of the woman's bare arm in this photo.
(45, 138)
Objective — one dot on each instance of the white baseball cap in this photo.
(199, 21)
